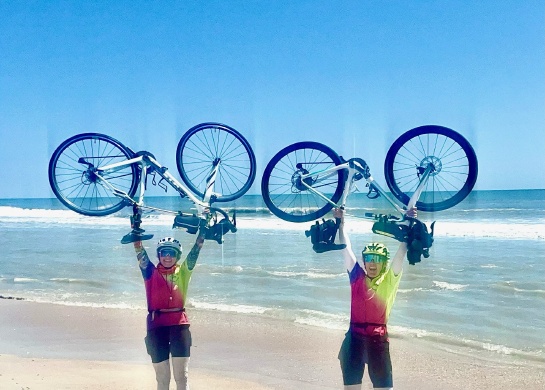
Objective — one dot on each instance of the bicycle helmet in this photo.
(376, 248)
(169, 242)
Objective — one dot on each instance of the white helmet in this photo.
(169, 242)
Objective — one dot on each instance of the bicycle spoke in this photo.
(451, 157)
(206, 145)
(77, 185)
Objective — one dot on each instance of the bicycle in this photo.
(96, 175)
(431, 167)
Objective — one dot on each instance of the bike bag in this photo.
(322, 236)
(191, 223)
(419, 241)
(416, 235)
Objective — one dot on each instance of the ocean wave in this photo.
(86, 282)
(213, 269)
(509, 287)
(233, 308)
(227, 269)
(440, 338)
(46, 218)
(449, 286)
(322, 320)
(305, 274)
(411, 290)
(72, 300)
(24, 280)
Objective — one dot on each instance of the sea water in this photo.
(482, 287)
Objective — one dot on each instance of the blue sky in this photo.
(351, 74)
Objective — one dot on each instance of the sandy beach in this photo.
(49, 346)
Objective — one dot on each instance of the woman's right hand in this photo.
(338, 213)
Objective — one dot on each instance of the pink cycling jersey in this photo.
(372, 301)
(166, 292)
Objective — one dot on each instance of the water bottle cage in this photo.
(373, 192)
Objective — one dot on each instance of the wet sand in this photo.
(48, 346)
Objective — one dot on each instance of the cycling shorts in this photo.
(357, 350)
(164, 341)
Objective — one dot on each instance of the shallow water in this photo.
(482, 287)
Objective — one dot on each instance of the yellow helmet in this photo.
(376, 248)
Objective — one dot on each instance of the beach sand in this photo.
(54, 347)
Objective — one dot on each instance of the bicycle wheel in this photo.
(453, 158)
(205, 144)
(282, 188)
(72, 178)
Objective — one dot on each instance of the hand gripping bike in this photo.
(430, 167)
(96, 175)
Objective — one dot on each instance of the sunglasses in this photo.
(168, 252)
(374, 259)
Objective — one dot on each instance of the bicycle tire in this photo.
(201, 145)
(74, 184)
(281, 184)
(455, 162)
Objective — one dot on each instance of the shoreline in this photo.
(103, 348)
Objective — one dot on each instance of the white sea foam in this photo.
(24, 280)
(470, 228)
(449, 286)
(322, 320)
(310, 275)
(410, 290)
(124, 306)
(246, 309)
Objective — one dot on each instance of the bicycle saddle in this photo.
(135, 236)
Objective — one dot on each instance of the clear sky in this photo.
(351, 74)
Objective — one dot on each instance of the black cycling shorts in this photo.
(357, 350)
(164, 341)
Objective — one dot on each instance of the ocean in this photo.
(483, 286)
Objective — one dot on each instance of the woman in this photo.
(167, 323)
(373, 291)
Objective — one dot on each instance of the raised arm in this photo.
(141, 255)
(193, 254)
(348, 254)
(399, 257)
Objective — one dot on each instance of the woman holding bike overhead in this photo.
(373, 290)
(167, 322)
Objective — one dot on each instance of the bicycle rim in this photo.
(282, 188)
(453, 158)
(73, 182)
(202, 146)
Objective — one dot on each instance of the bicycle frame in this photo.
(148, 164)
(354, 167)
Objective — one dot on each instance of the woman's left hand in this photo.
(412, 212)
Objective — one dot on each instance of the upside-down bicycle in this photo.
(96, 175)
(431, 167)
